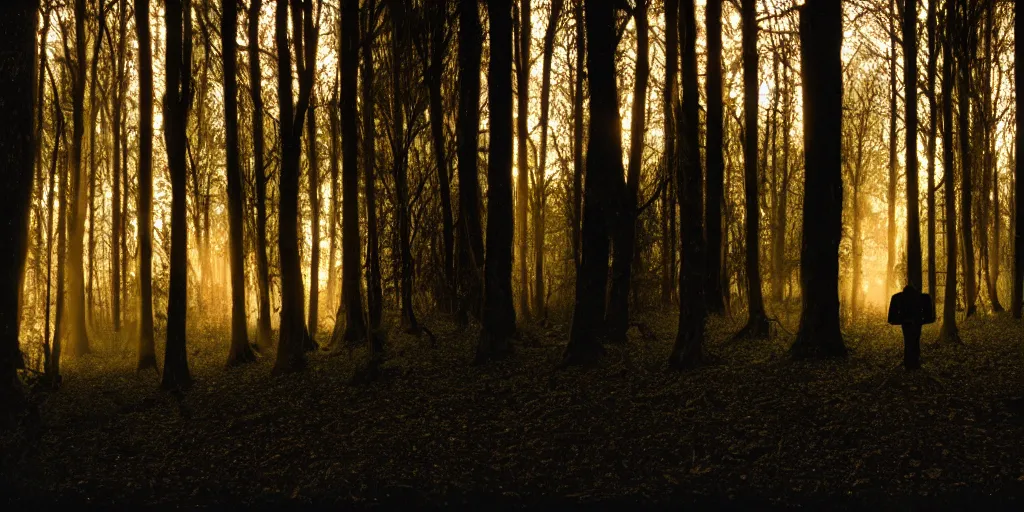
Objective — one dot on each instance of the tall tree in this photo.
(313, 187)
(603, 186)
(910, 79)
(577, 136)
(930, 23)
(437, 33)
(400, 160)
(144, 209)
(554, 17)
(964, 66)
(116, 227)
(617, 317)
(949, 332)
(94, 110)
(374, 296)
(177, 98)
(294, 339)
(240, 351)
(991, 170)
(79, 337)
(688, 350)
(471, 241)
(757, 322)
(524, 37)
(499, 315)
(260, 177)
(18, 21)
(355, 325)
(821, 41)
(1018, 170)
(890, 197)
(716, 163)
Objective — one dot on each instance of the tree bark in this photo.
(499, 315)
(471, 242)
(116, 222)
(94, 109)
(757, 323)
(522, 160)
(18, 20)
(240, 351)
(668, 248)
(374, 295)
(932, 128)
(579, 165)
(964, 92)
(1018, 170)
(821, 40)
(263, 334)
(715, 161)
(617, 317)
(400, 162)
(540, 185)
(688, 351)
(177, 97)
(949, 332)
(294, 338)
(991, 261)
(603, 187)
(78, 336)
(313, 193)
(435, 72)
(144, 208)
(910, 92)
(355, 324)
(890, 265)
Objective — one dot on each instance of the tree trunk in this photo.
(240, 351)
(821, 41)
(144, 208)
(1018, 170)
(932, 126)
(522, 135)
(757, 323)
(949, 332)
(18, 20)
(116, 233)
(779, 270)
(617, 318)
(294, 338)
(910, 92)
(499, 315)
(991, 171)
(400, 162)
(688, 351)
(668, 248)
(435, 72)
(603, 187)
(176, 106)
(313, 191)
(716, 164)
(579, 165)
(471, 243)
(334, 125)
(374, 295)
(263, 333)
(890, 265)
(355, 325)
(79, 339)
(94, 109)
(540, 186)
(964, 66)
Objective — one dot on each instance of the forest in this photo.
(724, 253)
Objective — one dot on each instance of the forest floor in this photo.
(755, 429)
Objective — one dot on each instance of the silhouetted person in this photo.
(910, 310)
